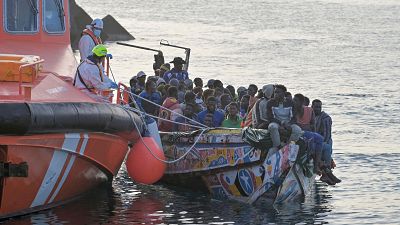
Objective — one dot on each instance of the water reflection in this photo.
(127, 203)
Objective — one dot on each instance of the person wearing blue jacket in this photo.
(177, 72)
(151, 95)
(218, 116)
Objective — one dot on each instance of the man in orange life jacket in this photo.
(90, 38)
(90, 77)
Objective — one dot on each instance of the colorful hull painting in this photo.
(232, 169)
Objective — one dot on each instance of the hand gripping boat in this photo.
(56, 143)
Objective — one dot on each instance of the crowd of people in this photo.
(272, 107)
(185, 103)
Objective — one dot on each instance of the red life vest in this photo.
(96, 40)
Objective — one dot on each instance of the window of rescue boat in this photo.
(21, 16)
(53, 16)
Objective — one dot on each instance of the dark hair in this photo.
(148, 83)
(219, 89)
(300, 97)
(211, 98)
(133, 81)
(197, 90)
(226, 91)
(288, 94)
(280, 86)
(190, 104)
(189, 96)
(225, 96)
(253, 86)
(246, 96)
(234, 104)
(207, 93)
(316, 101)
(260, 94)
(218, 84)
(172, 91)
(197, 79)
(306, 101)
(231, 89)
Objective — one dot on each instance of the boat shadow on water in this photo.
(128, 203)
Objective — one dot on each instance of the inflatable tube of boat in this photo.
(38, 118)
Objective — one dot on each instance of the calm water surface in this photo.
(344, 52)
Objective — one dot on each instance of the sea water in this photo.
(343, 52)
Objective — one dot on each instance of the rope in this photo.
(156, 117)
(165, 161)
(132, 95)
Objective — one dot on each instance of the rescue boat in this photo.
(56, 143)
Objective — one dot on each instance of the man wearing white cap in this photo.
(90, 37)
(141, 78)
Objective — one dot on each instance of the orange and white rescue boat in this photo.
(56, 142)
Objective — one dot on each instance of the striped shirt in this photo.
(323, 126)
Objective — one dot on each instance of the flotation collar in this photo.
(96, 40)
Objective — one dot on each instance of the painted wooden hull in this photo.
(233, 170)
(60, 168)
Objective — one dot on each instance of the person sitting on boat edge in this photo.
(170, 104)
(323, 126)
(218, 116)
(259, 115)
(280, 117)
(305, 120)
(150, 94)
(177, 71)
(232, 120)
(305, 117)
(90, 77)
(90, 37)
(184, 121)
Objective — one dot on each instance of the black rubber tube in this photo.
(38, 118)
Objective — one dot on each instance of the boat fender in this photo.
(145, 162)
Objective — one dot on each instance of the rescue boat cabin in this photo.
(36, 32)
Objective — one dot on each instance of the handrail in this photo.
(20, 74)
(124, 98)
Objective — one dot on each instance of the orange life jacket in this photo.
(171, 104)
(96, 40)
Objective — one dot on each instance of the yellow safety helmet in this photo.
(100, 50)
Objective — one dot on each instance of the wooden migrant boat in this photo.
(234, 164)
(56, 142)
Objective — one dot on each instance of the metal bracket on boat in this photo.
(13, 170)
